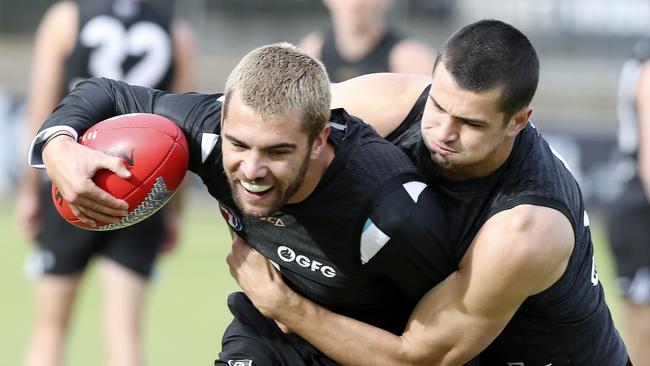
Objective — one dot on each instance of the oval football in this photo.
(154, 150)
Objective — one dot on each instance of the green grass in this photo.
(186, 312)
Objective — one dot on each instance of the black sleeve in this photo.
(97, 99)
(417, 252)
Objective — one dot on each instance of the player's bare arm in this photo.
(382, 100)
(55, 39)
(184, 58)
(454, 321)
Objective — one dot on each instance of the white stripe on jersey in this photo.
(208, 142)
(221, 98)
(557, 155)
(338, 126)
(372, 240)
(414, 189)
(586, 219)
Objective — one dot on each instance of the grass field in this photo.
(186, 312)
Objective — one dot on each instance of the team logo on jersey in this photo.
(594, 273)
(289, 255)
(273, 220)
(286, 254)
(231, 217)
(240, 362)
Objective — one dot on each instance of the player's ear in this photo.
(319, 142)
(519, 121)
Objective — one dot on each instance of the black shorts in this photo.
(255, 340)
(628, 227)
(65, 249)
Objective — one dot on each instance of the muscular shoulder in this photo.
(382, 100)
(530, 241)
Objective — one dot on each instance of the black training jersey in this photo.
(567, 324)
(123, 40)
(367, 243)
(340, 69)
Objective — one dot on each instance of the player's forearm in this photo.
(346, 340)
(55, 148)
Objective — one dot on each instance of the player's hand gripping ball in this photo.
(155, 151)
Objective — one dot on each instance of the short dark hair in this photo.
(488, 54)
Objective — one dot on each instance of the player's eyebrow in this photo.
(281, 145)
(468, 119)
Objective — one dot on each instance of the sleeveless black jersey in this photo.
(340, 69)
(367, 243)
(567, 324)
(124, 40)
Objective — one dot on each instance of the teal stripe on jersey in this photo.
(372, 240)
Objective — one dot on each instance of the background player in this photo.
(359, 42)
(629, 216)
(526, 291)
(129, 40)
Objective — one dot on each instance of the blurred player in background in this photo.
(359, 42)
(122, 39)
(629, 216)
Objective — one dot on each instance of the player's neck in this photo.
(314, 173)
(353, 45)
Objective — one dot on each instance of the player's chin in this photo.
(443, 161)
(257, 210)
(256, 205)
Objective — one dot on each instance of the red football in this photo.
(155, 151)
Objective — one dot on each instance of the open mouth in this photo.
(256, 189)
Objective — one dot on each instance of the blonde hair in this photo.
(280, 78)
